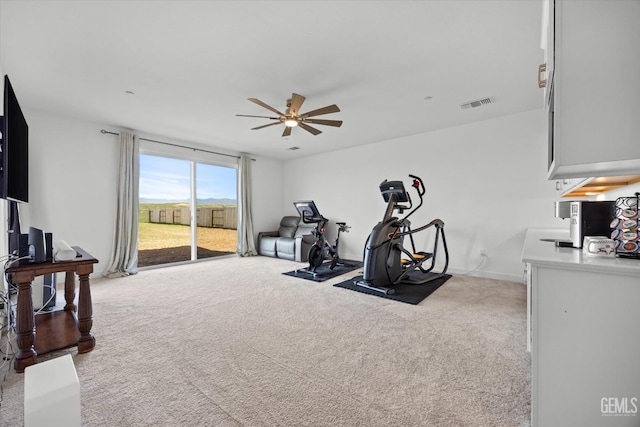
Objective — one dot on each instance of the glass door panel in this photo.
(165, 199)
(216, 210)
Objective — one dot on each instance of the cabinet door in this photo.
(596, 87)
(545, 73)
(584, 349)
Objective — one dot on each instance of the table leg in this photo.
(85, 315)
(25, 327)
(70, 291)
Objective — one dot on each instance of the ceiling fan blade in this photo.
(309, 128)
(296, 103)
(336, 123)
(264, 126)
(287, 131)
(262, 117)
(268, 107)
(324, 110)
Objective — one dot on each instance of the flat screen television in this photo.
(14, 165)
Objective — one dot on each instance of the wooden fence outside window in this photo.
(213, 217)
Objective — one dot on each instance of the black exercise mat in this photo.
(411, 294)
(323, 272)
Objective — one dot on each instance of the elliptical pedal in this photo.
(423, 255)
(419, 256)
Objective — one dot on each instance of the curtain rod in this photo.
(176, 145)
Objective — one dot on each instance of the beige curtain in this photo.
(246, 243)
(124, 258)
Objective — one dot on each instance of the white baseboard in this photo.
(488, 275)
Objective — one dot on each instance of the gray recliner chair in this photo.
(291, 241)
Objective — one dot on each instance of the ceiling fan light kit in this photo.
(292, 117)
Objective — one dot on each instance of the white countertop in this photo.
(539, 252)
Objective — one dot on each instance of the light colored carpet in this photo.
(233, 342)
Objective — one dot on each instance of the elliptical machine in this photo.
(386, 261)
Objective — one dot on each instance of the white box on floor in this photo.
(52, 393)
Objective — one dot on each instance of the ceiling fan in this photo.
(292, 117)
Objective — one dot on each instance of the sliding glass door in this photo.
(187, 210)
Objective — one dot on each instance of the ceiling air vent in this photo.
(476, 103)
(293, 148)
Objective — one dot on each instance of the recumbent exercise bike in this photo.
(386, 261)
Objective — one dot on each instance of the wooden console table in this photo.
(45, 332)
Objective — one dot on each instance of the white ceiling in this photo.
(193, 64)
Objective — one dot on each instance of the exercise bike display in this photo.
(386, 260)
(321, 249)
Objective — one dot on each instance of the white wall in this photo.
(267, 192)
(73, 175)
(72, 182)
(486, 180)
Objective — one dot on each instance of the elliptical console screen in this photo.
(387, 188)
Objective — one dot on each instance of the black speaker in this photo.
(37, 245)
(48, 241)
(22, 249)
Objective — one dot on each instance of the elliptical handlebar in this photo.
(418, 184)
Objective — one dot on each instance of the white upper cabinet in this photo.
(545, 70)
(594, 110)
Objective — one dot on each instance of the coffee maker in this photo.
(586, 219)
